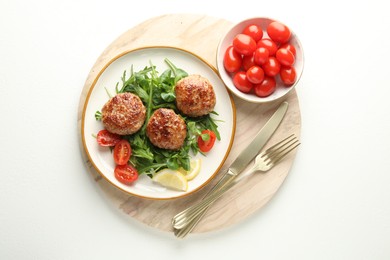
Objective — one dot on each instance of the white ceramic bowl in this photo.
(281, 89)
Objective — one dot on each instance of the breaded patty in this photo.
(195, 96)
(166, 129)
(123, 114)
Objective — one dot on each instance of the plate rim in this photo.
(92, 86)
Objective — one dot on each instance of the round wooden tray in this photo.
(200, 35)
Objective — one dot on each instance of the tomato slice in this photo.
(206, 140)
(126, 174)
(122, 152)
(106, 138)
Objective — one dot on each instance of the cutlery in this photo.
(263, 162)
(235, 168)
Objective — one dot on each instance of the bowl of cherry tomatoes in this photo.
(260, 59)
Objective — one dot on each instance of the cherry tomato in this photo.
(255, 74)
(240, 80)
(269, 44)
(271, 67)
(244, 44)
(248, 61)
(261, 55)
(270, 57)
(288, 75)
(266, 87)
(254, 31)
(232, 60)
(122, 152)
(290, 47)
(285, 57)
(278, 32)
(126, 174)
(206, 140)
(106, 138)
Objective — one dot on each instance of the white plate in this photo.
(101, 157)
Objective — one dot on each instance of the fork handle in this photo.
(178, 219)
(189, 223)
(185, 221)
(195, 210)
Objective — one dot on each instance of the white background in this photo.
(335, 203)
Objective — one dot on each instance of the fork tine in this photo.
(271, 150)
(281, 150)
(285, 152)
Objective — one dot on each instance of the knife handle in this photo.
(228, 177)
(181, 219)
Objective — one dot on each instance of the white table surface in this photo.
(334, 204)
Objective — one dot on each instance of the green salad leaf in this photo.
(157, 91)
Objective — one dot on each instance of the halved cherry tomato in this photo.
(266, 87)
(244, 44)
(285, 57)
(261, 55)
(254, 31)
(288, 75)
(271, 67)
(278, 32)
(268, 44)
(232, 60)
(240, 80)
(206, 140)
(106, 138)
(122, 152)
(255, 74)
(126, 174)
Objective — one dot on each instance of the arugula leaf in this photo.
(158, 91)
(98, 115)
(179, 73)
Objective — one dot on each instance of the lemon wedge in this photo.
(194, 169)
(171, 179)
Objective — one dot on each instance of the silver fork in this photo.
(184, 222)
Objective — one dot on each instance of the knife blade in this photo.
(259, 141)
(236, 167)
(253, 148)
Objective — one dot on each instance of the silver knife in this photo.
(239, 163)
(259, 141)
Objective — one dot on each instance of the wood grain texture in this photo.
(200, 35)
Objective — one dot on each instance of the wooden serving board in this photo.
(200, 35)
